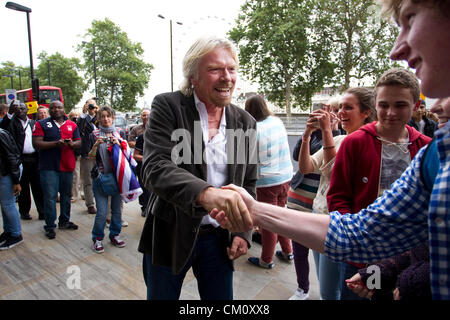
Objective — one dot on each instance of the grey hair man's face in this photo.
(216, 77)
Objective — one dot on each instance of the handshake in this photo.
(231, 206)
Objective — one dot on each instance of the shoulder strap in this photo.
(429, 166)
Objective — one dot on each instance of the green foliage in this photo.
(63, 74)
(9, 68)
(361, 40)
(122, 75)
(295, 47)
(282, 49)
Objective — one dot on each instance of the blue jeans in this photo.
(53, 182)
(10, 214)
(211, 267)
(101, 202)
(346, 272)
(328, 275)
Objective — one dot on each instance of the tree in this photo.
(122, 75)
(63, 74)
(8, 68)
(281, 48)
(361, 40)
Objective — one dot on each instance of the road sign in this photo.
(11, 95)
(32, 107)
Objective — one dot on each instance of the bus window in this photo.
(47, 96)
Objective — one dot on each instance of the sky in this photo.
(58, 26)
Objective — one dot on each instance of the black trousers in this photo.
(30, 178)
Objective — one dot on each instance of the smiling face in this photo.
(106, 119)
(424, 42)
(442, 109)
(350, 113)
(395, 106)
(216, 78)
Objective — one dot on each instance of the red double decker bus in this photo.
(46, 95)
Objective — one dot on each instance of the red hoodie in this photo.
(355, 178)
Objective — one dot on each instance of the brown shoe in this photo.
(92, 210)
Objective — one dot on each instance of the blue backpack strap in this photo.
(429, 166)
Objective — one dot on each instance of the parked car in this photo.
(121, 123)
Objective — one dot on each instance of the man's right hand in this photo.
(230, 202)
(226, 220)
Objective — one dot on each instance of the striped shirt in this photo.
(405, 216)
(274, 158)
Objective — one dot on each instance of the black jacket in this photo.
(9, 157)
(429, 128)
(15, 128)
(85, 127)
(173, 219)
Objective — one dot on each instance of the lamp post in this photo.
(171, 50)
(48, 72)
(94, 53)
(18, 7)
(95, 70)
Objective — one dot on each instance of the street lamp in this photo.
(95, 65)
(18, 7)
(171, 50)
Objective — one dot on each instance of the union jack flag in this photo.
(123, 165)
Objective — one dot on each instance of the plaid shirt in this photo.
(401, 219)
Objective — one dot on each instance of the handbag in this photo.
(108, 184)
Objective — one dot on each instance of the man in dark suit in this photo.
(195, 143)
(21, 129)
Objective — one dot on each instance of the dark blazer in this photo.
(173, 221)
(15, 128)
(429, 128)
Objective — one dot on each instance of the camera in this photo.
(105, 140)
(66, 140)
(91, 106)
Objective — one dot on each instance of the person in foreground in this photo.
(190, 151)
(415, 209)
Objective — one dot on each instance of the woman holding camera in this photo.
(356, 108)
(102, 138)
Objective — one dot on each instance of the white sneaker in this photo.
(124, 223)
(300, 295)
(98, 246)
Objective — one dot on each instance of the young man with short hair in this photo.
(373, 157)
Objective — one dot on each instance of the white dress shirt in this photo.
(215, 153)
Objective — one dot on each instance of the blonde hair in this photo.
(199, 49)
(391, 8)
(73, 113)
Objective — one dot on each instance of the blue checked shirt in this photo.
(403, 218)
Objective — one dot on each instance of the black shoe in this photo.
(11, 242)
(50, 234)
(4, 236)
(143, 211)
(25, 216)
(68, 226)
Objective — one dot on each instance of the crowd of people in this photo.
(371, 187)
